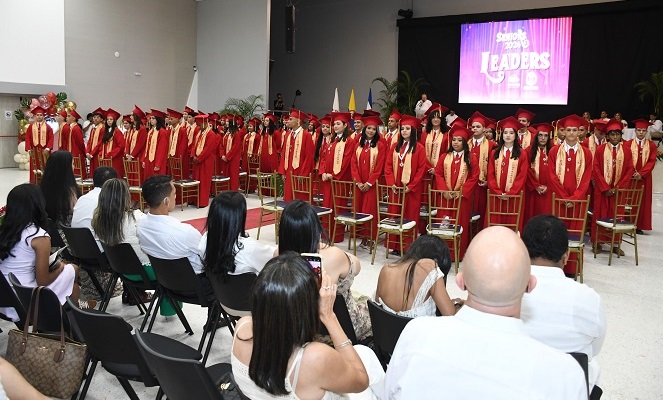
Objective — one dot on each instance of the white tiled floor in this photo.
(631, 357)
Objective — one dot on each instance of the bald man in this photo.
(483, 351)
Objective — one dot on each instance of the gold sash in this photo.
(152, 137)
(190, 130)
(132, 136)
(462, 173)
(296, 152)
(407, 167)
(71, 133)
(174, 134)
(95, 135)
(251, 140)
(512, 171)
(269, 145)
(60, 136)
(338, 156)
(229, 142)
(39, 135)
(537, 163)
(607, 164)
(373, 158)
(201, 140)
(560, 164)
(635, 150)
(433, 144)
(108, 146)
(526, 140)
(483, 157)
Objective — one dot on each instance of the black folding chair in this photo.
(83, 247)
(109, 341)
(233, 295)
(178, 282)
(343, 315)
(387, 328)
(48, 318)
(9, 299)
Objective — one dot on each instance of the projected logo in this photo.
(515, 62)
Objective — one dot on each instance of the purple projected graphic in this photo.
(515, 62)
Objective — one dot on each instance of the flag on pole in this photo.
(369, 103)
(335, 106)
(351, 103)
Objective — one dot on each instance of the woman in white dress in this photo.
(415, 285)
(25, 247)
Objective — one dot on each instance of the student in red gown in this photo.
(94, 140)
(613, 169)
(155, 156)
(202, 155)
(231, 151)
(405, 166)
(136, 137)
(507, 169)
(178, 142)
(525, 137)
(250, 148)
(392, 133)
(74, 141)
(322, 152)
(38, 137)
(297, 153)
(643, 151)
(481, 147)
(436, 143)
(539, 191)
(458, 170)
(270, 144)
(112, 144)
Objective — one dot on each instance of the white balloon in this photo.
(22, 167)
(21, 148)
(25, 158)
(17, 158)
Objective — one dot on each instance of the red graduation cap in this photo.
(572, 121)
(188, 110)
(510, 122)
(157, 113)
(436, 107)
(395, 115)
(480, 118)
(100, 111)
(201, 117)
(461, 131)
(174, 114)
(372, 120)
(75, 114)
(522, 113)
(294, 113)
(326, 120)
(271, 117)
(367, 113)
(341, 116)
(542, 127)
(414, 122)
(641, 123)
(140, 113)
(113, 114)
(458, 122)
(126, 118)
(62, 113)
(614, 125)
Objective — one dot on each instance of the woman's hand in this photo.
(327, 298)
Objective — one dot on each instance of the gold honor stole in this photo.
(560, 164)
(108, 146)
(338, 156)
(132, 135)
(608, 164)
(190, 130)
(174, 134)
(95, 135)
(462, 173)
(406, 164)
(229, 142)
(201, 141)
(296, 152)
(526, 140)
(512, 171)
(537, 163)
(251, 139)
(39, 135)
(71, 133)
(483, 157)
(60, 136)
(152, 137)
(269, 145)
(635, 150)
(433, 144)
(373, 158)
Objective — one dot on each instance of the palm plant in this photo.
(402, 93)
(654, 88)
(245, 107)
(388, 96)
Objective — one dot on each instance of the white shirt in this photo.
(129, 231)
(475, 355)
(450, 118)
(567, 147)
(165, 237)
(656, 127)
(421, 108)
(252, 257)
(566, 315)
(83, 210)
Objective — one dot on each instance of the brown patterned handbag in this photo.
(53, 364)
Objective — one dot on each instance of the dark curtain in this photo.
(613, 46)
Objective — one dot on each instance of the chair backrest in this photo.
(105, 162)
(627, 205)
(177, 277)
(504, 210)
(132, 172)
(444, 210)
(253, 164)
(343, 315)
(266, 187)
(574, 215)
(9, 299)
(345, 191)
(235, 293)
(301, 187)
(52, 230)
(583, 360)
(78, 166)
(124, 261)
(108, 338)
(38, 159)
(180, 379)
(391, 204)
(83, 246)
(387, 328)
(48, 317)
(175, 165)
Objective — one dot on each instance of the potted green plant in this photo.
(654, 88)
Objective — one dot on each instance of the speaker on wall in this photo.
(290, 29)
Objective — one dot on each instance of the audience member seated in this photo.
(232, 251)
(561, 312)
(25, 247)
(483, 352)
(274, 352)
(14, 386)
(82, 218)
(58, 185)
(300, 231)
(414, 286)
(115, 222)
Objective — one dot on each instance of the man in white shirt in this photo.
(86, 204)
(422, 106)
(451, 117)
(483, 352)
(656, 124)
(561, 312)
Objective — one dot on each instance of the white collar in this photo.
(567, 147)
(458, 153)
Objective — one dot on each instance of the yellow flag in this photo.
(351, 104)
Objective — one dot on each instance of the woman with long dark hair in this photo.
(113, 143)
(322, 152)
(226, 248)
(367, 167)
(300, 231)
(25, 247)
(231, 150)
(274, 352)
(539, 191)
(59, 187)
(270, 144)
(414, 286)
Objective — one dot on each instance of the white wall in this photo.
(233, 50)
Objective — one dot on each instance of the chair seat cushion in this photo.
(186, 182)
(322, 210)
(220, 178)
(475, 217)
(170, 347)
(277, 205)
(392, 224)
(129, 371)
(353, 218)
(444, 229)
(620, 225)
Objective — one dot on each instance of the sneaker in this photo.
(87, 304)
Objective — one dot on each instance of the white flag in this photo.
(335, 106)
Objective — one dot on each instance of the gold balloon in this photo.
(23, 126)
(71, 105)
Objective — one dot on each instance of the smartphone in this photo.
(315, 261)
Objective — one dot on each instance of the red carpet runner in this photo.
(252, 219)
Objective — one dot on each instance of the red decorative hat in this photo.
(75, 114)
(395, 115)
(600, 125)
(140, 113)
(510, 122)
(372, 120)
(62, 113)
(356, 116)
(174, 114)
(294, 113)
(126, 118)
(188, 110)
(414, 122)
(113, 114)
(99, 111)
(460, 131)
(367, 113)
(480, 118)
(522, 113)
(614, 125)
(572, 121)
(38, 110)
(271, 117)
(157, 113)
(326, 120)
(436, 107)
(641, 123)
(239, 120)
(202, 117)
(341, 116)
(543, 127)
(458, 122)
